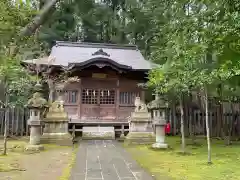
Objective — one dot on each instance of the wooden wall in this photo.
(16, 121)
(105, 78)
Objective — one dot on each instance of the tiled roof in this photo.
(65, 53)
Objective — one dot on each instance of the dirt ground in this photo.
(47, 165)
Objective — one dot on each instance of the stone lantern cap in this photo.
(157, 103)
(37, 101)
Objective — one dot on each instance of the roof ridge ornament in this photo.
(100, 52)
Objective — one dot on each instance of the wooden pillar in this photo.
(142, 95)
(117, 99)
(122, 129)
(79, 99)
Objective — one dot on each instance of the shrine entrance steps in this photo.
(80, 129)
(98, 132)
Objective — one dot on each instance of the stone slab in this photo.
(140, 138)
(105, 160)
(142, 116)
(96, 132)
(35, 123)
(34, 147)
(64, 139)
(160, 146)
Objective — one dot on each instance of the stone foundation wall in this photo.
(55, 127)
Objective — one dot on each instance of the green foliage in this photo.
(60, 26)
(13, 16)
(200, 47)
(172, 165)
(111, 21)
(15, 82)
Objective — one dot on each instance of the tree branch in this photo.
(38, 20)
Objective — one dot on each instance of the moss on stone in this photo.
(37, 101)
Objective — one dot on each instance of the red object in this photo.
(167, 128)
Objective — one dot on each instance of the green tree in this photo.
(14, 79)
(17, 85)
(173, 79)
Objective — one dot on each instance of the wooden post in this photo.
(73, 134)
(24, 114)
(142, 96)
(2, 121)
(80, 99)
(22, 122)
(190, 125)
(123, 129)
(174, 118)
(17, 121)
(117, 100)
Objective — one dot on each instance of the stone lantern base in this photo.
(134, 138)
(56, 125)
(30, 147)
(35, 136)
(160, 146)
(56, 132)
(140, 129)
(160, 134)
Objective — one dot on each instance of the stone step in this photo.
(98, 132)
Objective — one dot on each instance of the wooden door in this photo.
(98, 101)
(89, 104)
(107, 104)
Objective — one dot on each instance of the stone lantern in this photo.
(159, 108)
(37, 106)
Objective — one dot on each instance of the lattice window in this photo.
(71, 96)
(89, 96)
(127, 98)
(107, 96)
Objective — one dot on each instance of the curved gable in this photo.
(100, 62)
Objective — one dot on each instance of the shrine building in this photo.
(109, 77)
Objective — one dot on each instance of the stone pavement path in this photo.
(105, 160)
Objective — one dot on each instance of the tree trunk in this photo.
(207, 127)
(174, 119)
(38, 20)
(31, 27)
(220, 114)
(51, 89)
(5, 133)
(182, 125)
(5, 121)
(219, 120)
